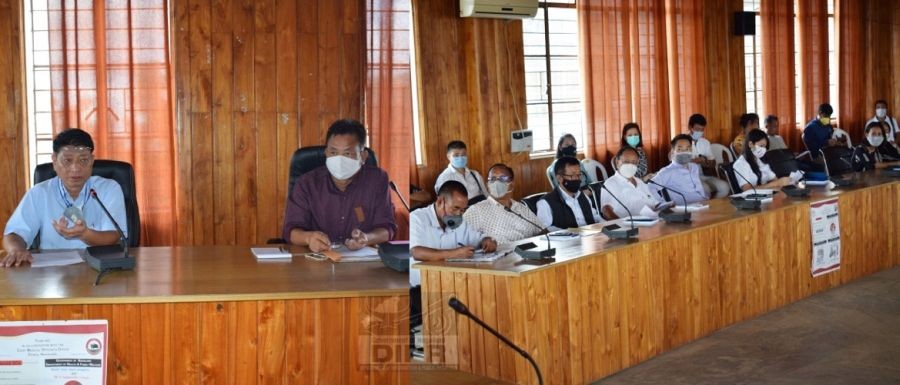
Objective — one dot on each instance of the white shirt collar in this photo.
(451, 168)
(566, 196)
(432, 216)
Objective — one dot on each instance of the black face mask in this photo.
(568, 151)
(571, 185)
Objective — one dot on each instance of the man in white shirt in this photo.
(881, 115)
(438, 231)
(500, 216)
(703, 156)
(566, 206)
(776, 142)
(682, 175)
(632, 191)
(458, 156)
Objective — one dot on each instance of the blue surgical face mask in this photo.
(459, 161)
(633, 140)
(697, 135)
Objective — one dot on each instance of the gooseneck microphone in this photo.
(394, 187)
(743, 203)
(615, 232)
(461, 308)
(526, 250)
(674, 217)
(109, 257)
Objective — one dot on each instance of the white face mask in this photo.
(881, 112)
(627, 170)
(875, 140)
(759, 151)
(498, 188)
(342, 167)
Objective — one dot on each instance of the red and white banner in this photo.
(53, 352)
(826, 236)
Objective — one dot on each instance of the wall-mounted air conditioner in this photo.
(498, 9)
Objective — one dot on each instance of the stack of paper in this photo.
(270, 253)
(55, 258)
(365, 254)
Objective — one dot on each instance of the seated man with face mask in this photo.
(344, 202)
(62, 209)
(632, 191)
(682, 175)
(566, 207)
(500, 216)
(438, 231)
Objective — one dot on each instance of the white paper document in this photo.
(365, 254)
(480, 257)
(270, 253)
(55, 258)
(691, 208)
(639, 221)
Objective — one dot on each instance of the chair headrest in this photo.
(306, 159)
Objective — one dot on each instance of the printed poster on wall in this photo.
(53, 352)
(826, 237)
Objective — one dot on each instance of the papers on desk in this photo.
(761, 194)
(55, 258)
(481, 257)
(271, 253)
(365, 254)
(691, 208)
(639, 221)
(562, 235)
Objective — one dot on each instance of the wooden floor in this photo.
(847, 335)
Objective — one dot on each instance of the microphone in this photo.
(461, 308)
(614, 231)
(526, 250)
(394, 187)
(109, 257)
(673, 217)
(743, 203)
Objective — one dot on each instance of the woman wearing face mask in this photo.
(631, 137)
(629, 189)
(567, 146)
(875, 151)
(750, 165)
(889, 124)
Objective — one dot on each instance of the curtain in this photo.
(779, 86)
(109, 70)
(389, 95)
(851, 61)
(643, 61)
(813, 21)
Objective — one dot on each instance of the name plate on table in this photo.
(53, 352)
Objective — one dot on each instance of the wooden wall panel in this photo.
(313, 341)
(256, 79)
(591, 317)
(13, 135)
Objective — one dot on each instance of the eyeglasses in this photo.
(572, 176)
(501, 178)
(69, 162)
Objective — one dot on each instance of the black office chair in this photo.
(476, 199)
(838, 160)
(532, 200)
(783, 162)
(122, 173)
(306, 159)
(727, 169)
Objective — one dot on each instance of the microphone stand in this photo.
(461, 308)
(673, 217)
(617, 233)
(394, 187)
(110, 257)
(742, 203)
(526, 251)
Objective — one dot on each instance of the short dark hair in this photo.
(826, 109)
(450, 187)
(880, 101)
(872, 125)
(625, 149)
(72, 137)
(347, 127)
(508, 169)
(771, 118)
(560, 166)
(747, 118)
(678, 137)
(696, 119)
(456, 145)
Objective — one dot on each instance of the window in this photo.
(552, 76)
(753, 62)
(37, 80)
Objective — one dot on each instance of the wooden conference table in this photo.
(605, 305)
(214, 315)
